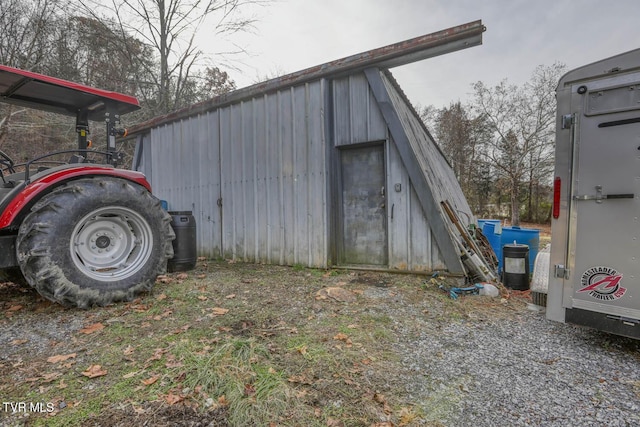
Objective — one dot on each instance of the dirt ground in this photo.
(229, 344)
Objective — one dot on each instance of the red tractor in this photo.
(81, 233)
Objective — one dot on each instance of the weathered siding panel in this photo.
(207, 185)
(357, 118)
(264, 157)
(411, 243)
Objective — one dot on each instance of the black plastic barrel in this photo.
(515, 266)
(184, 245)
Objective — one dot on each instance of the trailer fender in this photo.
(32, 191)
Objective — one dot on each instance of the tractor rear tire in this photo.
(95, 241)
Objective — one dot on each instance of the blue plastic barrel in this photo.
(482, 222)
(489, 231)
(523, 236)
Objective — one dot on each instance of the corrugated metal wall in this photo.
(256, 176)
(264, 161)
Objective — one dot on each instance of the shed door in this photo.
(364, 225)
(606, 189)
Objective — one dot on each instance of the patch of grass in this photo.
(298, 267)
(306, 346)
(238, 374)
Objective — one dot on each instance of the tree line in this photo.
(144, 48)
(501, 145)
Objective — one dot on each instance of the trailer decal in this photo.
(602, 283)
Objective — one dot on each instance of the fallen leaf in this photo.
(202, 298)
(62, 384)
(249, 390)
(230, 296)
(222, 400)
(61, 357)
(130, 375)
(19, 342)
(379, 398)
(94, 371)
(151, 380)
(140, 308)
(128, 351)
(332, 422)
(407, 416)
(172, 399)
(182, 276)
(217, 311)
(47, 378)
(14, 308)
(299, 379)
(201, 276)
(157, 355)
(161, 297)
(341, 337)
(92, 328)
(181, 329)
(336, 293)
(164, 279)
(302, 350)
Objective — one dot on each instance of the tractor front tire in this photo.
(95, 241)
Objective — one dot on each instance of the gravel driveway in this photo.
(519, 370)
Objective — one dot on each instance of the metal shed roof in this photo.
(393, 55)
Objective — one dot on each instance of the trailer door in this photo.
(605, 225)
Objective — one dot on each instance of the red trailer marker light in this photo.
(557, 183)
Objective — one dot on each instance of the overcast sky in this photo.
(521, 34)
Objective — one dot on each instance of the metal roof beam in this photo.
(393, 55)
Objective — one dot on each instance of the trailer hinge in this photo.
(561, 272)
(568, 120)
(220, 202)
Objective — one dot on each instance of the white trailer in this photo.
(594, 262)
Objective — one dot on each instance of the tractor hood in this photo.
(42, 92)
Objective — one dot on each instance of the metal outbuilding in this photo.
(326, 166)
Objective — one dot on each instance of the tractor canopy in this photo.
(41, 92)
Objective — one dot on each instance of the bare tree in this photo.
(25, 26)
(521, 120)
(169, 27)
